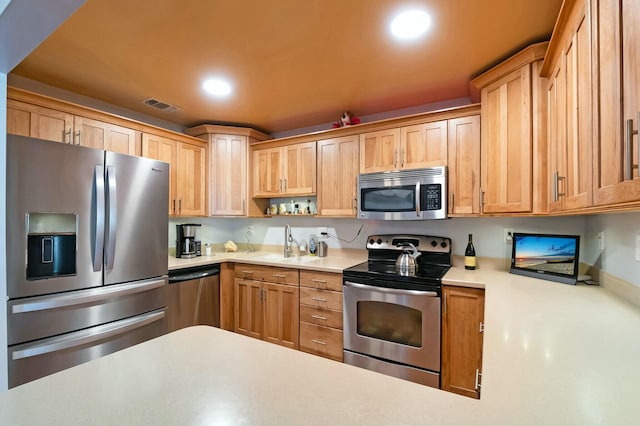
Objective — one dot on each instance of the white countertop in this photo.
(554, 354)
(332, 263)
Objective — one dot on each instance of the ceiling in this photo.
(292, 64)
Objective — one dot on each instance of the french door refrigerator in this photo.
(87, 238)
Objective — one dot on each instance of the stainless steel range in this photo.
(392, 312)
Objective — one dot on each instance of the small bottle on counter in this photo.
(470, 255)
(207, 249)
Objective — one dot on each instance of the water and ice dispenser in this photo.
(51, 245)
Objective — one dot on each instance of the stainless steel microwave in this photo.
(403, 195)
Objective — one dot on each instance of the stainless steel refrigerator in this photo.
(87, 238)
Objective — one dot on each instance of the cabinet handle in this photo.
(395, 158)
(478, 376)
(481, 199)
(78, 137)
(355, 202)
(285, 186)
(319, 317)
(281, 186)
(318, 299)
(174, 206)
(279, 275)
(66, 136)
(318, 342)
(556, 190)
(453, 199)
(318, 281)
(243, 207)
(180, 206)
(247, 272)
(628, 147)
(444, 304)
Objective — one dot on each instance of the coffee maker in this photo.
(186, 244)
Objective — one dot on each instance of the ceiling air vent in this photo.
(161, 105)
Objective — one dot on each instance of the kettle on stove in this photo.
(407, 260)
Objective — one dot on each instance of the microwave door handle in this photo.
(112, 197)
(98, 240)
(418, 207)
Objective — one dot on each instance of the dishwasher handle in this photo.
(188, 275)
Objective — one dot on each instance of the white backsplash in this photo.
(618, 257)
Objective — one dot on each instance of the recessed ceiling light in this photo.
(217, 87)
(410, 24)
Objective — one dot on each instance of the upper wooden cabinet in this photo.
(45, 123)
(570, 118)
(337, 176)
(187, 187)
(228, 171)
(101, 135)
(616, 151)
(411, 147)
(464, 165)
(513, 113)
(26, 119)
(285, 170)
(228, 175)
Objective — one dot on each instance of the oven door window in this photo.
(390, 322)
(389, 199)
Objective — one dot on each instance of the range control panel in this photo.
(401, 242)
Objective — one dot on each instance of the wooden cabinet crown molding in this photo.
(204, 130)
(94, 114)
(530, 54)
(374, 126)
(557, 42)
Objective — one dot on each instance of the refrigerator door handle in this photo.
(87, 336)
(84, 297)
(112, 200)
(98, 240)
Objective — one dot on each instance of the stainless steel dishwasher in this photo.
(193, 297)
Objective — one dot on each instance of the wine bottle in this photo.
(470, 255)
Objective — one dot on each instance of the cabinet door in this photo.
(379, 151)
(337, 176)
(228, 173)
(464, 165)
(616, 151)
(38, 122)
(578, 116)
(423, 145)
(299, 169)
(267, 178)
(462, 335)
(557, 138)
(248, 308)
(163, 149)
(101, 135)
(280, 314)
(506, 150)
(191, 180)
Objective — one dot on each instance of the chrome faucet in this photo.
(288, 241)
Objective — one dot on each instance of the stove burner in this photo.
(383, 250)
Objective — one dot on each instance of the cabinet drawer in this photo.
(266, 273)
(321, 298)
(323, 341)
(320, 316)
(321, 280)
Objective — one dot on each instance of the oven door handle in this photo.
(391, 290)
(418, 206)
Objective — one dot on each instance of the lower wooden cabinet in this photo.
(265, 309)
(321, 314)
(462, 336)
